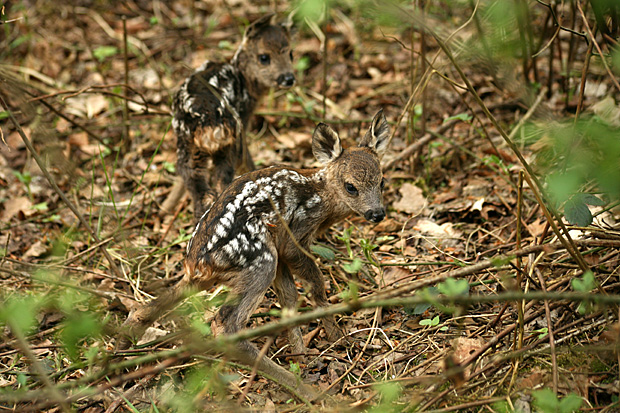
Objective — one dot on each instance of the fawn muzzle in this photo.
(286, 80)
(375, 215)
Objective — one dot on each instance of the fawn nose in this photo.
(375, 215)
(286, 79)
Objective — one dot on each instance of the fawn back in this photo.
(214, 105)
(259, 231)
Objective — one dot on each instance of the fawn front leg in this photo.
(284, 285)
(307, 270)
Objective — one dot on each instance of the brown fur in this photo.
(244, 240)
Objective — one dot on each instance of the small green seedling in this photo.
(26, 179)
(431, 322)
(542, 332)
(584, 284)
(548, 402)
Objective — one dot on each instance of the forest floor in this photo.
(463, 232)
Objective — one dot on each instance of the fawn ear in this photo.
(377, 136)
(258, 25)
(325, 144)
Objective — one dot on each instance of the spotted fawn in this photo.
(212, 109)
(259, 231)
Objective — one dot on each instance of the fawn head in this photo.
(265, 56)
(353, 176)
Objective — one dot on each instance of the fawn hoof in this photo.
(122, 343)
(308, 392)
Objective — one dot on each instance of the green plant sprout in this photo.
(26, 179)
(431, 322)
(542, 332)
(584, 284)
(367, 247)
(101, 53)
(548, 402)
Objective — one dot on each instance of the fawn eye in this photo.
(264, 59)
(290, 54)
(382, 184)
(350, 188)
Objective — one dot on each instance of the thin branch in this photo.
(598, 48)
(60, 193)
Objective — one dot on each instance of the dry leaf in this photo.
(462, 349)
(151, 334)
(86, 105)
(14, 206)
(412, 200)
(533, 380)
(444, 232)
(391, 275)
(36, 250)
(387, 225)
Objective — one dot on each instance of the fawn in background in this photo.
(212, 109)
(244, 240)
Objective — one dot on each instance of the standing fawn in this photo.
(244, 240)
(212, 109)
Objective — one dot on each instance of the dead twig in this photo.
(60, 193)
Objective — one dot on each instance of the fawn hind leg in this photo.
(249, 288)
(284, 285)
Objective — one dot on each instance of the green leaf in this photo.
(78, 326)
(170, 167)
(584, 284)
(351, 292)
(577, 212)
(453, 288)
(592, 200)
(430, 321)
(501, 261)
(546, 400)
(313, 10)
(19, 312)
(42, 206)
(390, 393)
(103, 52)
(563, 185)
(224, 44)
(25, 178)
(302, 64)
(294, 367)
(22, 379)
(465, 117)
(542, 332)
(354, 267)
(570, 403)
(427, 293)
(323, 252)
